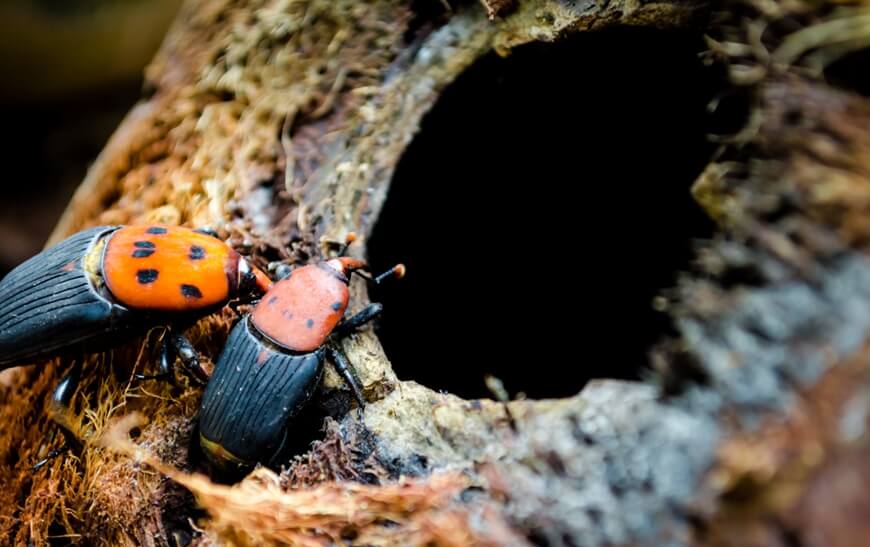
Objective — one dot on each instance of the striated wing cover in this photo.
(47, 302)
(253, 392)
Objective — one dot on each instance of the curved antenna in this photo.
(398, 272)
(350, 238)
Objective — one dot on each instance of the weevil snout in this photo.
(346, 265)
(251, 278)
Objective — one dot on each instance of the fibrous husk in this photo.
(280, 122)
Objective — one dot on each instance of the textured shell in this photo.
(301, 311)
(169, 269)
(47, 303)
(253, 393)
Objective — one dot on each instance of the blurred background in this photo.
(71, 71)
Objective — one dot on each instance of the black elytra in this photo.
(48, 303)
(253, 393)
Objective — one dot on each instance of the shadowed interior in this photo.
(540, 212)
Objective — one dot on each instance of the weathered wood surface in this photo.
(280, 123)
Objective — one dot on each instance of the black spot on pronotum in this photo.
(144, 244)
(272, 300)
(287, 314)
(336, 306)
(146, 276)
(196, 252)
(191, 291)
(143, 253)
(309, 323)
(156, 230)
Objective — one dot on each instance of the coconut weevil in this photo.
(273, 361)
(100, 286)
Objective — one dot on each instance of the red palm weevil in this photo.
(273, 361)
(100, 286)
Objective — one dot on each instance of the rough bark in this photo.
(280, 123)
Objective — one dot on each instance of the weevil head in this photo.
(251, 279)
(345, 266)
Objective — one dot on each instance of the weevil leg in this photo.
(345, 369)
(189, 357)
(167, 359)
(177, 345)
(358, 319)
(60, 413)
(60, 403)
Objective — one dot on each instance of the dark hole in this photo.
(543, 205)
(427, 15)
(790, 537)
(349, 533)
(793, 117)
(179, 511)
(12, 456)
(850, 72)
(57, 534)
(539, 537)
